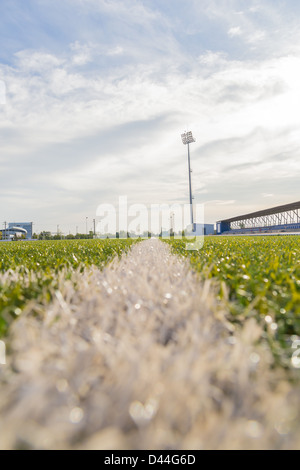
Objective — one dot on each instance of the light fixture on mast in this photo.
(187, 138)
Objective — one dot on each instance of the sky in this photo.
(94, 96)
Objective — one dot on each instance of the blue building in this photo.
(207, 229)
(24, 225)
(202, 229)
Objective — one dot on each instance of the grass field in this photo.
(162, 349)
(29, 271)
(256, 277)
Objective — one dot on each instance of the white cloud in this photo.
(234, 101)
(35, 61)
(234, 31)
(118, 50)
(221, 203)
(2, 92)
(82, 53)
(256, 37)
(212, 59)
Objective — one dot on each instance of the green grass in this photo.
(58, 254)
(255, 276)
(30, 270)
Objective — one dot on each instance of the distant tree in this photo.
(122, 234)
(45, 236)
(81, 236)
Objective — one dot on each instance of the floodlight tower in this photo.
(187, 139)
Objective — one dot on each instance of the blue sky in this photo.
(99, 91)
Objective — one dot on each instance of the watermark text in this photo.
(163, 220)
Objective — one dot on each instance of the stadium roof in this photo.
(272, 210)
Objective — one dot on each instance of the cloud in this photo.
(33, 61)
(234, 31)
(82, 53)
(256, 37)
(2, 92)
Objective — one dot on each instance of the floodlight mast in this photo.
(187, 139)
